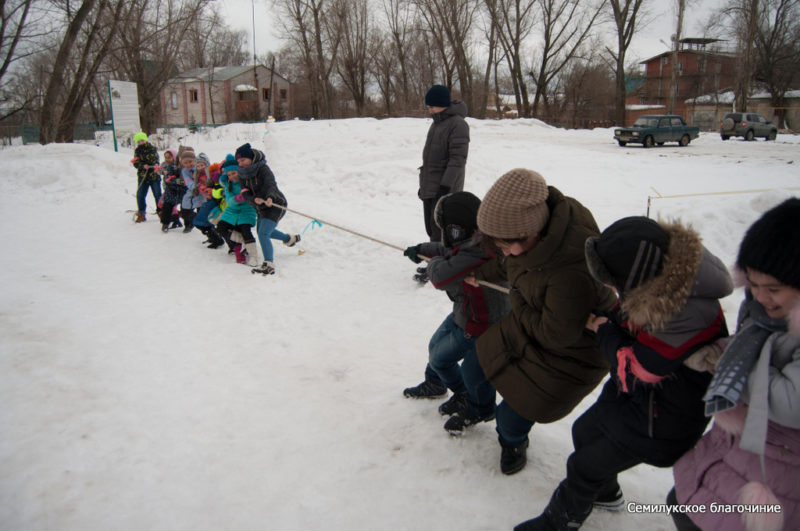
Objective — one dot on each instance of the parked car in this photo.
(749, 125)
(656, 129)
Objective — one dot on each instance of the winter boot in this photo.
(456, 404)
(140, 217)
(559, 515)
(427, 389)
(215, 240)
(251, 254)
(241, 256)
(292, 240)
(513, 459)
(458, 423)
(611, 501)
(421, 275)
(165, 227)
(188, 218)
(266, 268)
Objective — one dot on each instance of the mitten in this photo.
(238, 198)
(411, 253)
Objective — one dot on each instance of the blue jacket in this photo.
(192, 198)
(238, 212)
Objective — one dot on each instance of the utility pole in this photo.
(676, 44)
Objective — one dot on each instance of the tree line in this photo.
(565, 58)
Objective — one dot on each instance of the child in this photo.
(174, 190)
(203, 189)
(751, 455)
(191, 198)
(474, 309)
(239, 216)
(261, 191)
(145, 161)
(651, 409)
(169, 168)
(540, 357)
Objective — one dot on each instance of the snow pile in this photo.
(151, 383)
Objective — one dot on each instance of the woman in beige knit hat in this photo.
(540, 358)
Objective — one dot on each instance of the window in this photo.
(664, 122)
(265, 93)
(665, 60)
(680, 67)
(701, 65)
(642, 100)
(283, 94)
(193, 95)
(173, 98)
(676, 122)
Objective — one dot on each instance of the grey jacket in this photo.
(444, 156)
(474, 309)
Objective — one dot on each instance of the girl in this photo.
(174, 190)
(191, 198)
(239, 216)
(751, 455)
(202, 187)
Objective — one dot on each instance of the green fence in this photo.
(30, 132)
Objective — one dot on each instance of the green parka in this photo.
(541, 358)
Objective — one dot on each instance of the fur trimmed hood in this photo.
(689, 270)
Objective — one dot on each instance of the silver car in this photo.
(747, 124)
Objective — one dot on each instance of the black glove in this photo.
(411, 253)
(443, 190)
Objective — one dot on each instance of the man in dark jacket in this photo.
(444, 157)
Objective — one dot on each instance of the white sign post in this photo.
(124, 101)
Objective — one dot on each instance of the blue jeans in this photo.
(512, 427)
(446, 348)
(265, 228)
(201, 217)
(141, 194)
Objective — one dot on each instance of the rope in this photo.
(651, 198)
(321, 222)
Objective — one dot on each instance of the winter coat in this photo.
(718, 471)
(541, 358)
(474, 309)
(653, 404)
(145, 154)
(174, 187)
(192, 198)
(238, 212)
(444, 156)
(259, 181)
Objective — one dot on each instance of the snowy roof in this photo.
(643, 107)
(728, 96)
(245, 88)
(215, 73)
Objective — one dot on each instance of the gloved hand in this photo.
(443, 190)
(238, 198)
(411, 253)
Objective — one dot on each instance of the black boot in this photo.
(456, 404)
(513, 459)
(427, 389)
(188, 217)
(215, 240)
(561, 514)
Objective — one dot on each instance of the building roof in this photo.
(216, 73)
(689, 50)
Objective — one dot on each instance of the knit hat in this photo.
(139, 136)
(202, 157)
(772, 244)
(628, 253)
(245, 152)
(515, 206)
(438, 96)
(187, 153)
(171, 152)
(456, 214)
(230, 164)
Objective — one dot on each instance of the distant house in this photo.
(699, 68)
(224, 94)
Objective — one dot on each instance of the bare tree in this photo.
(450, 22)
(352, 23)
(565, 27)
(513, 21)
(209, 42)
(626, 16)
(16, 32)
(383, 68)
(400, 21)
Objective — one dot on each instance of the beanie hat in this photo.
(438, 96)
(202, 157)
(171, 152)
(188, 153)
(230, 164)
(456, 214)
(628, 253)
(515, 206)
(245, 152)
(772, 244)
(139, 136)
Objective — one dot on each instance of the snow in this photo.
(245, 88)
(151, 383)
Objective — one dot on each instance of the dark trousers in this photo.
(166, 212)
(593, 467)
(682, 521)
(433, 230)
(224, 229)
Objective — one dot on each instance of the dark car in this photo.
(747, 124)
(654, 129)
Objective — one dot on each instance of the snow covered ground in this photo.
(147, 382)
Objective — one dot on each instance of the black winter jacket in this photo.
(259, 181)
(444, 156)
